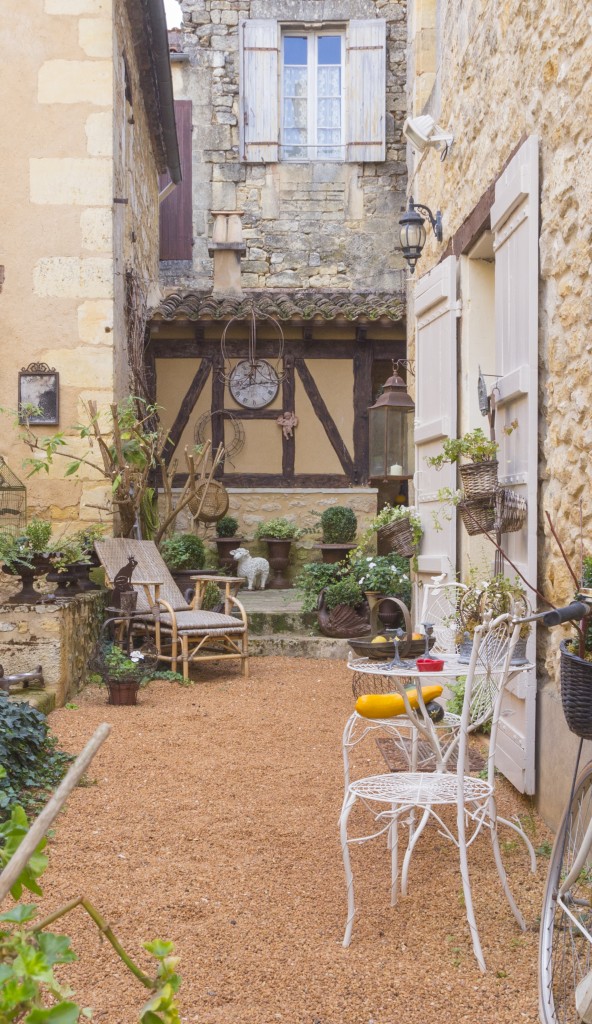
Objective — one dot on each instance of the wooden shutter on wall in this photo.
(515, 226)
(366, 90)
(176, 211)
(259, 85)
(436, 312)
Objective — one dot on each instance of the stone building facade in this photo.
(91, 124)
(314, 247)
(512, 84)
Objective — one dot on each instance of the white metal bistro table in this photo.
(421, 741)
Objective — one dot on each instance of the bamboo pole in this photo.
(47, 816)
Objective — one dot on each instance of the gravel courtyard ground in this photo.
(211, 820)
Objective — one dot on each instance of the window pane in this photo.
(295, 114)
(329, 114)
(329, 81)
(329, 51)
(295, 49)
(295, 81)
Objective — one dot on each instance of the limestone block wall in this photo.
(71, 153)
(59, 637)
(251, 506)
(328, 225)
(506, 72)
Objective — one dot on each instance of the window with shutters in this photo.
(313, 93)
(312, 96)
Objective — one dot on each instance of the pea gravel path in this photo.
(211, 820)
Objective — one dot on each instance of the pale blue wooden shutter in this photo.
(259, 83)
(366, 90)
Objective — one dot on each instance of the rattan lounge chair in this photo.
(182, 631)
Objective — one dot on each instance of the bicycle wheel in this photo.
(565, 953)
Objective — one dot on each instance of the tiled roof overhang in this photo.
(292, 305)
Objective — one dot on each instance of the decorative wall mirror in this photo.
(38, 394)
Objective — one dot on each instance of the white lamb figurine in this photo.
(251, 568)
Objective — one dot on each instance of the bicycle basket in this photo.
(576, 692)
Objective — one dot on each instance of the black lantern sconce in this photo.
(413, 232)
(391, 422)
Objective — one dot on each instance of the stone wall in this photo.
(506, 72)
(251, 506)
(64, 241)
(328, 225)
(60, 637)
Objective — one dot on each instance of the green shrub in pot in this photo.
(183, 551)
(278, 529)
(338, 524)
(227, 526)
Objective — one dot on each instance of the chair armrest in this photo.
(234, 600)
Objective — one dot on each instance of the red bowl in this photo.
(429, 664)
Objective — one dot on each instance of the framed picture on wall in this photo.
(38, 394)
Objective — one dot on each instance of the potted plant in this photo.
(316, 576)
(382, 576)
(278, 535)
(499, 595)
(26, 556)
(185, 555)
(123, 673)
(227, 540)
(479, 476)
(398, 528)
(338, 525)
(342, 611)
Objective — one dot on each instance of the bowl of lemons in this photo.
(381, 646)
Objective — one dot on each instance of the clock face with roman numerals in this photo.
(254, 385)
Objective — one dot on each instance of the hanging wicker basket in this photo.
(213, 498)
(478, 515)
(479, 479)
(510, 511)
(398, 537)
(576, 692)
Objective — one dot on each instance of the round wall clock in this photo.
(253, 385)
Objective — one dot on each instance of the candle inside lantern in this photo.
(396, 470)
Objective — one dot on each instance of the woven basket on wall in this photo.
(478, 515)
(479, 479)
(576, 692)
(398, 537)
(215, 501)
(510, 511)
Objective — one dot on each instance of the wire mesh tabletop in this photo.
(370, 666)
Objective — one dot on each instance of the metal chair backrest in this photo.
(488, 673)
(440, 606)
(116, 551)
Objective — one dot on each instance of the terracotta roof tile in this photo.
(292, 305)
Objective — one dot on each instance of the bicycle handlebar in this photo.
(570, 613)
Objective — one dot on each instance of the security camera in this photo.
(423, 132)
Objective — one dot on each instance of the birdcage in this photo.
(13, 502)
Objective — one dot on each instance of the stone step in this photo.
(281, 622)
(290, 645)
(43, 700)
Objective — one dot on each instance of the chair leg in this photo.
(500, 865)
(245, 656)
(394, 844)
(466, 884)
(185, 655)
(349, 878)
(414, 834)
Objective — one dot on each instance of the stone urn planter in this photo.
(332, 553)
(225, 545)
(27, 575)
(278, 556)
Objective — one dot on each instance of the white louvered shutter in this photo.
(436, 312)
(366, 90)
(515, 226)
(259, 84)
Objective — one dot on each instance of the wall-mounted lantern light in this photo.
(391, 431)
(413, 232)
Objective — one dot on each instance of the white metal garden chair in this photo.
(440, 606)
(400, 797)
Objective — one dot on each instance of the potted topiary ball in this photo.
(338, 524)
(227, 540)
(278, 535)
(184, 555)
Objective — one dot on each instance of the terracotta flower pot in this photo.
(123, 691)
